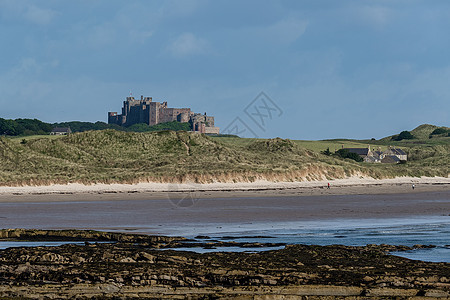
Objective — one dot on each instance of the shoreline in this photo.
(153, 190)
(135, 267)
(200, 212)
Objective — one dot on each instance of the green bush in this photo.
(327, 152)
(174, 125)
(404, 135)
(439, 131)
(344, 153)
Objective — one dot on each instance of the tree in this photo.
(354, 156)
(10, 127)
(344, 153)
(174, 125)
(404, 135)
(439, 131)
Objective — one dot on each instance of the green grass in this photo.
(111, 156)
(334, 145)
(316, 146)
(34, 137)
(421, 135)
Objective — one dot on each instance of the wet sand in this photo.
(152, 213)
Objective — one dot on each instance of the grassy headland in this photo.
(111, 156)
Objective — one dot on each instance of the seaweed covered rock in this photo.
(137, 268)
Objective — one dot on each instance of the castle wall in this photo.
(183, 117)
(153, 113)
(210, 121)
(171, 114)
(212, 130)
(113, 118)
(134, 115)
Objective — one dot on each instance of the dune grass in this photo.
(111, 156)
(316, 146)
(34, 137)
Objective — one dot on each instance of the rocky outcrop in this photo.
(135, 269)
(82, 235)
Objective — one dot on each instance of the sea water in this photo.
(11, 244)
(352, 232)
(162, 218)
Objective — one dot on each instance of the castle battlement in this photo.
(144, 110)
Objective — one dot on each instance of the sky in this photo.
(300, 69)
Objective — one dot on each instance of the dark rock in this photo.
(202, 237)
(131, 265)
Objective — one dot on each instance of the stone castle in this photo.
(146, 111)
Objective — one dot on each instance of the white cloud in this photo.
(376, 16)
(284, 31)
(140, 36)
(175, 8)
(39, 15)
(287, 30)
(22, 10)
(27, 68)
(187, 44)
(26, 65)
(101, 35)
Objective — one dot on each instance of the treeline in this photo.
(77, 126)
(25, 127)
(22, 127)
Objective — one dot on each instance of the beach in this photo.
(153, 190)
(185, 206)
(336, 239)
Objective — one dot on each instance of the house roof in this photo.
(377, 152)
(61, 129)
(370, 159)
(359, 151)
(398, 151)
(390, 159)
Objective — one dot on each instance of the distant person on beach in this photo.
(328, 185)
(413, 186)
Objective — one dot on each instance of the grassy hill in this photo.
(423, 131)
(422, 134)
(110, 156)
(425, 148)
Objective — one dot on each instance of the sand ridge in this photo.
(148, 187)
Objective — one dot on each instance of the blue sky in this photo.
(356, 69)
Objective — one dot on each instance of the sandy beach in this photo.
(151, 207)
(98, 192)
(169, 216)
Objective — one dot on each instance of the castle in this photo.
(152, 113)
